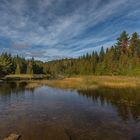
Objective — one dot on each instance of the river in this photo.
(46, 113)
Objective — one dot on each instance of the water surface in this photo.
(46, 113)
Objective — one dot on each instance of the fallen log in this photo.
(13, 137)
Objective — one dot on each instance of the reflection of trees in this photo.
(126, 101)
(8, 88)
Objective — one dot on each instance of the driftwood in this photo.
(13, 137)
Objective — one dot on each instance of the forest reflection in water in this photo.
(125, 101)
(17, 87)
(102, 113)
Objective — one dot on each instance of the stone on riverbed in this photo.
(13, 137)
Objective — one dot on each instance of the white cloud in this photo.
(60, 32)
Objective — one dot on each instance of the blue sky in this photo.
(54, 29)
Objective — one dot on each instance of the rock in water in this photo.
(12, 137)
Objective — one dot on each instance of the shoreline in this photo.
(91, 82)
(23, 77)
(78, 82)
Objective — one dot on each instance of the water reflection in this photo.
(126, 101)
(53, 114)
(8, 88)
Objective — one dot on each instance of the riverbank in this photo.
(77, 82)
(24, 77)
(91, 82)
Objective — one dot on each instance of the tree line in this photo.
(19, 65)
(121, 59)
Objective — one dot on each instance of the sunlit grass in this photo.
(19, 76)
(81, 82)
(24, 76)
(92, 82)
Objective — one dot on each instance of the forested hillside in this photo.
(121, 59)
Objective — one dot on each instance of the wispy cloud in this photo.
(64, 28)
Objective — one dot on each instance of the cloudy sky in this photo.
(54, 29)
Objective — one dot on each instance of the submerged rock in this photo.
(138, 119)
(13, 137)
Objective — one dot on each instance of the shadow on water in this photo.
(125, 101)
(17, 87)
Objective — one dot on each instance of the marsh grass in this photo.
(93, 82)
(24, 76)
(79, 82)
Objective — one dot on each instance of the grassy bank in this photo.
(92, 82)
(78, 82)
(24, 77)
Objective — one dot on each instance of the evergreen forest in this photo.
(123, 58)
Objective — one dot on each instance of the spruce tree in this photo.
(5, 63)
(29, 68)
(101, 54)
(134, 43)
(123, 41)
(17, 69)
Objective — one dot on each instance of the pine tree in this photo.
(17, 69)
(123, 41)
(134, 43)
(29, 68)
(5, 63)
(101, 55)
